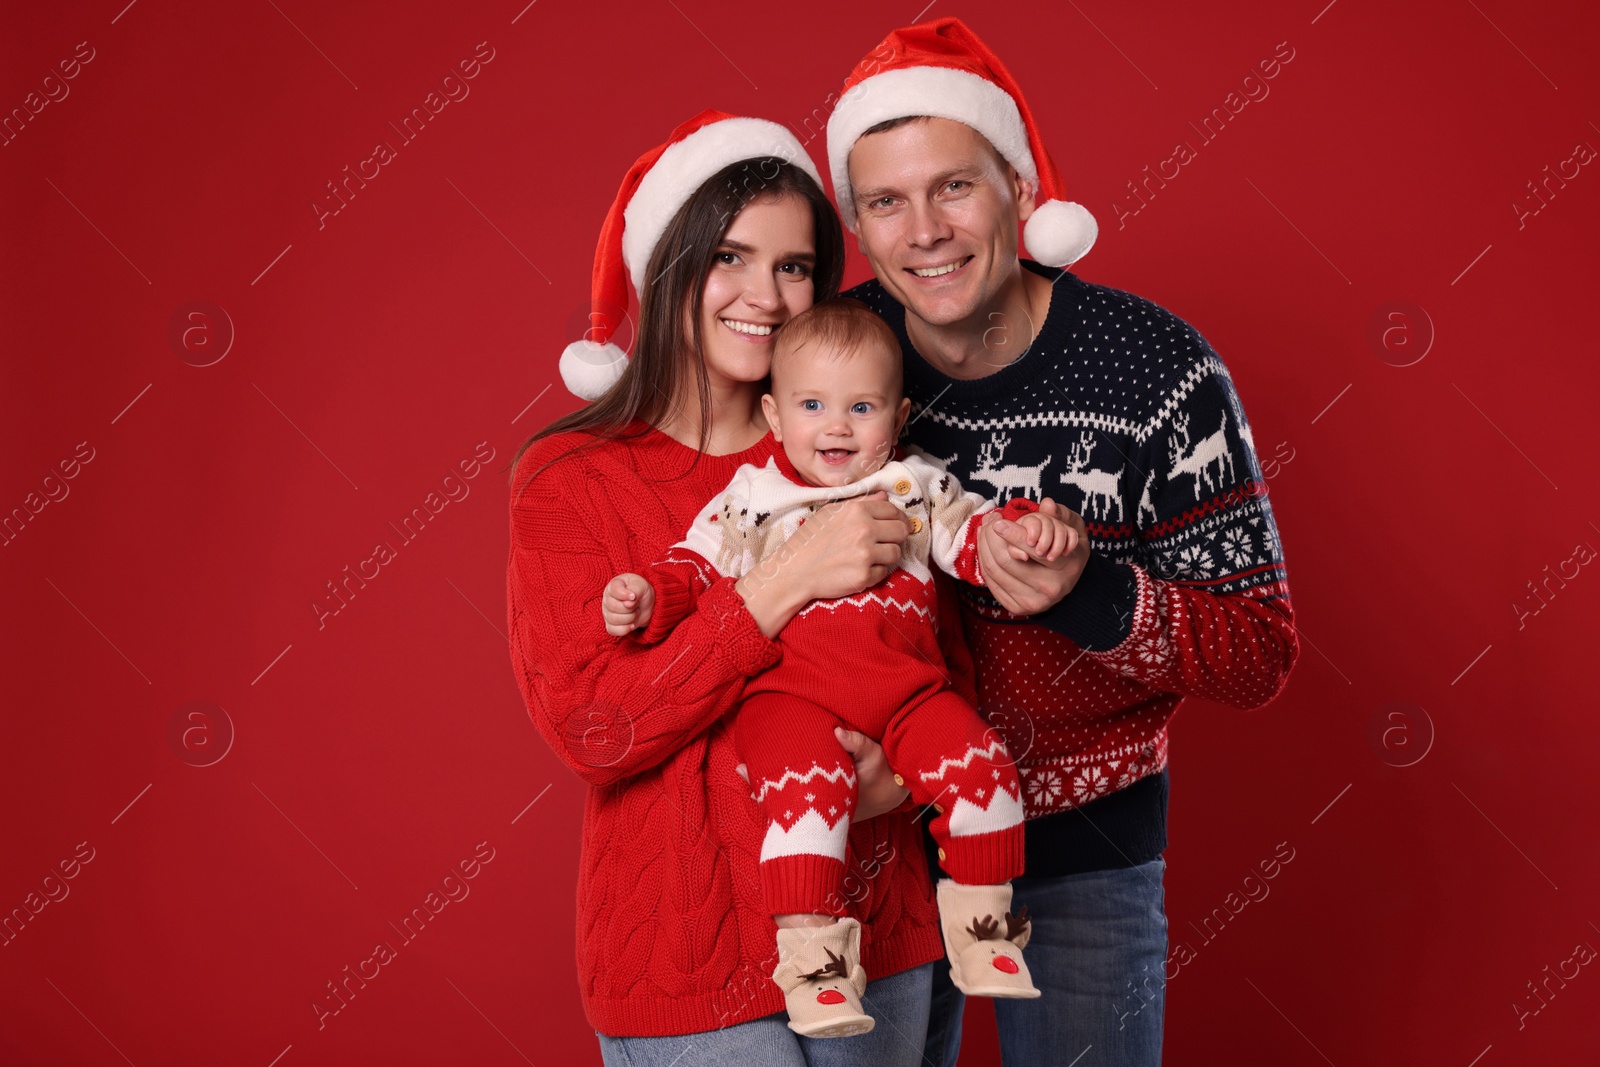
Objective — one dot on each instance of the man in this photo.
(1027, 379)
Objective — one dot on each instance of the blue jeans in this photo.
(1098, 953)
(899, 1003)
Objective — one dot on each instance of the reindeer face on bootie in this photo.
(825, 1000)
(1018, 928)
(828, 984)
(992, 965)
(985, 952)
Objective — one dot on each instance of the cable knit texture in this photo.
(672, 936)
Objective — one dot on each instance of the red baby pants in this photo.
(953, 763)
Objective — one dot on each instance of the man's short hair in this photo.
(843, 326)
(890, 124)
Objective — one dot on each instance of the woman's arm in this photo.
(611, 708)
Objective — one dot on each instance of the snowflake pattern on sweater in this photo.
(1122, 412)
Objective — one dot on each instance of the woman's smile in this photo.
(755, 331)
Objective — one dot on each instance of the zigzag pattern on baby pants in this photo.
(952, 763)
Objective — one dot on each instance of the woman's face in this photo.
(760, 278)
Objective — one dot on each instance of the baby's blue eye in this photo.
(811, 405)
(862, 408)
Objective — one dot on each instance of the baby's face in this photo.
(837, 415)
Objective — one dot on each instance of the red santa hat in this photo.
(658, 184)
(942, 70)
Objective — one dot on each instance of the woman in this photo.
(724, 239)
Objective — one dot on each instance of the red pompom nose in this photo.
(833, 996)
(1006, 964)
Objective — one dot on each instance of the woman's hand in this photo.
(849, 546)
(842, 549)
(876, 791)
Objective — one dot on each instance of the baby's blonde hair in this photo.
(844, 327)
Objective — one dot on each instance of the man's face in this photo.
(937, 214)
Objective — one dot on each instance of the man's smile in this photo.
(939, 270)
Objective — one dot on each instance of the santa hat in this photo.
(659, 183)
(942, 70)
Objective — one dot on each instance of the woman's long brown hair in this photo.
(665, 351)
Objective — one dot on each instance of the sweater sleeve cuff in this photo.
(1017, 507)
(1098, 613)
(673, 602)
(739, 639)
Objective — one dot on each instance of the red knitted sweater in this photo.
(672, 934)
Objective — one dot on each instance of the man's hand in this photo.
(628, 603)
(876, 791)
(1020, 578)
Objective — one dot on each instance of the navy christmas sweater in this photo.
(1122, 412)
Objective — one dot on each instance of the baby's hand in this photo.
(1049, 535)
(627, 604)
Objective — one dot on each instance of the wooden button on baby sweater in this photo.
(916, 524)
(902, 487)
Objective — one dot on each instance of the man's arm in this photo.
(1203, 609)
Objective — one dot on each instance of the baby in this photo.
(869, 662)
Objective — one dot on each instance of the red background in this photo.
(373, 354)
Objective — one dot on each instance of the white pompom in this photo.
(589, 369)
(1059, 233)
